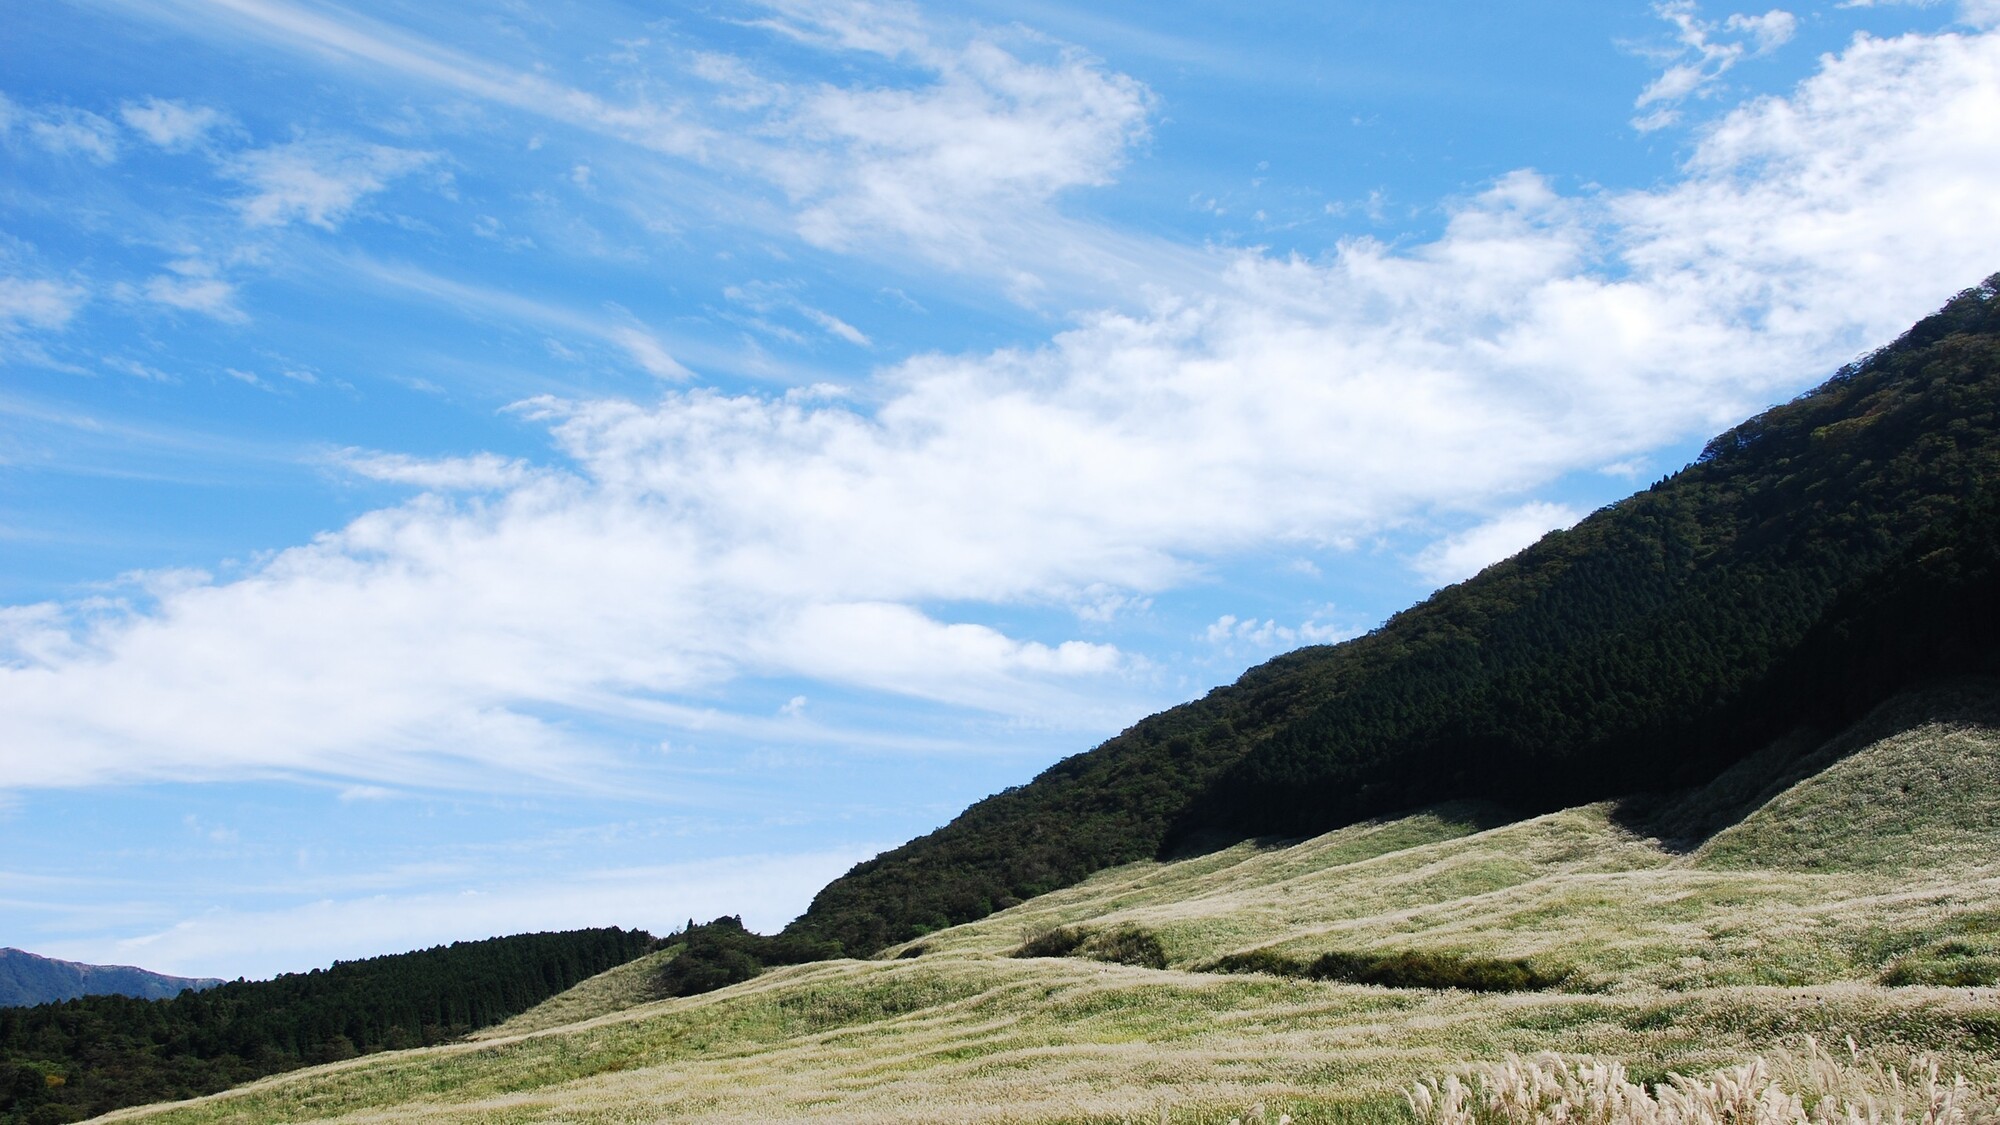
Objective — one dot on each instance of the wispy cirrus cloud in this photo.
(765, 890)
(62, 130)
(957, 158)
(1704, 51)
(317, 181)
(38, 302)
(169, 124)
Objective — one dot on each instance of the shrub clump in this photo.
(1124, 945)
(1400, 969)
(1058, 942)
(1127, 945)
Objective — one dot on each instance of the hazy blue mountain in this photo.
(27, 979)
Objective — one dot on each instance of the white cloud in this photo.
(316, 181)
(171, 125)
(37, 303)
(139, 370)
(766, 890)
(66, 131)
(484, 472)
(1294, 405)
(1458, 557)
(193, 293)
(649, 353)
(948, 163)
(955, 157)
(1702, 55)
(1250, 638)
(835, 326)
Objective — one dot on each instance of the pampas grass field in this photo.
(1819, 892)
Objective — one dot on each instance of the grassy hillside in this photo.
(1816, 559)
(1681, 953)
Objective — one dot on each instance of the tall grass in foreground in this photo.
(1813, 1088)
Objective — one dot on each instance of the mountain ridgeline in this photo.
(1814, 560)
(27, 979)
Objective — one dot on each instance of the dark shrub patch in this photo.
(1128, 945)
(1059, 942)
(1404, 969)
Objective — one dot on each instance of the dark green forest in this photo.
(78, 1058)
(1815, 559)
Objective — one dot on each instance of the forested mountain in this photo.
(28, 979)
(1814, 559)
(65, 1061)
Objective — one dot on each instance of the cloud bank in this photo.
(684, 543)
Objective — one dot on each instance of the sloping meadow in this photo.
(1827, 889)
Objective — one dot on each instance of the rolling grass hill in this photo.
(1810, 898)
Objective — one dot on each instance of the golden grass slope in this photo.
(613, 990)
(1683, 957)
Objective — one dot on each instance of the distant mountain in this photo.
(110, 1051)
(27, 979)
(1815, 560)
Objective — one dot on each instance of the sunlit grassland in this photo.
(1839, 869)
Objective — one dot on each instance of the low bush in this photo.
(1058, 942)
(1403, 969)
(1124, 945)
(1127, 945)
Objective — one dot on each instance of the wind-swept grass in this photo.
(1677, 962)
(1810, 1087)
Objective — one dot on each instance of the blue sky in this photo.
(521, 466)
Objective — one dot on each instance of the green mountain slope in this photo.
(27, 979)
(65, 1061)
(1672, 959)
(1816, 559)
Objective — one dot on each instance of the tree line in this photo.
(77, 1058)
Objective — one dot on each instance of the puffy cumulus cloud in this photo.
(317, 181)
(1293, 403)
(1458, 557)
